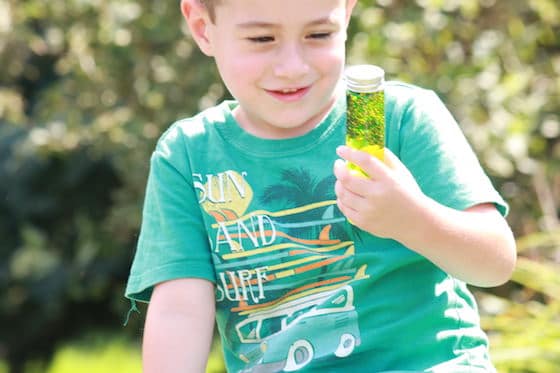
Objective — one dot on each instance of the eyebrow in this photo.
(257, 24)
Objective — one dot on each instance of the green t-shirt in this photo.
(298, 288)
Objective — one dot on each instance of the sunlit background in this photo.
(87, 86)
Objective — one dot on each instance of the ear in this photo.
(198, 21)
(349, 8)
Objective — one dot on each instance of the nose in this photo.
(291, 62)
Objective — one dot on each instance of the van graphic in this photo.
(286, 338)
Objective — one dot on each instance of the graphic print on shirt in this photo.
(284, 270)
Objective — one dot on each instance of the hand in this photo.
(475, 245)
(387, 203)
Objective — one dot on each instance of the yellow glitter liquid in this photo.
(365, 124)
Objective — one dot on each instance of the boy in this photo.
(246, 221)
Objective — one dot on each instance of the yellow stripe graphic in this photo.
(295, 210)
(264, 250)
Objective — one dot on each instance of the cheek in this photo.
(248, 66)
(330, 60)
(238, 71)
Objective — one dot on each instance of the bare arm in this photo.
(179, 327)
(475, 245)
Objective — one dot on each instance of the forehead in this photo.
(278, 11)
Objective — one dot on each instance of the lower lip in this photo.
(290, 96)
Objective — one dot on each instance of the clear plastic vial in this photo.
(365, 99)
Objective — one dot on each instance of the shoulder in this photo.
(197, 125)
(405, 95)
(195, 128)
(414, 106)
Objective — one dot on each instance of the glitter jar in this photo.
(365, 100)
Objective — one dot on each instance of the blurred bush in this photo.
(97, 354)
(86, 87)
(524, 327)
(101, 352)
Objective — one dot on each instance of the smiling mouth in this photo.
(287, 90)
(289, 94)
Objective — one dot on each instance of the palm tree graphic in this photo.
(299, 189)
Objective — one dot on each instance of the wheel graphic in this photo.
(299, 355)
(346, 345)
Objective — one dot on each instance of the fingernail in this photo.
(338, 163)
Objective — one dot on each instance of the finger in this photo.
(372, 166)
(339, 168)
(391, 160)
(351, 215)
(347, 197)
(394, 163)
(351, 180)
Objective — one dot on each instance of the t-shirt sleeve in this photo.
(437, 153)
(173, 242)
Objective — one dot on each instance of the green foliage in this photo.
(215, 361)
(525, 329)
(86, 87)
(103, 352)
(95, 355)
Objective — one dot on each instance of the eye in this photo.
(320, 35)
(261, 39)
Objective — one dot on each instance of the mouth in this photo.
(289, 94)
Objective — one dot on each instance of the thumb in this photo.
(391, 160)
(394, 163)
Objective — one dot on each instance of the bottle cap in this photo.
(364, 78)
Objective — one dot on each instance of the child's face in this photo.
(281, 59)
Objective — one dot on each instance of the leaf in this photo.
(542, 277)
